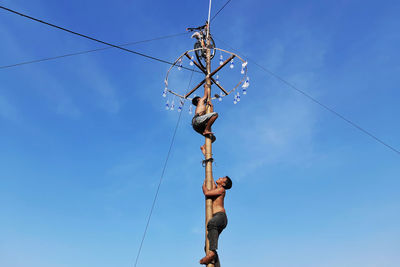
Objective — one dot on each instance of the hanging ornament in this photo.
(244, 65)
(180, 64)
(191, 61)
(244, 91)
(180, 106)
(246, 83)
(172, 105)
(221, 60)
(238, 97)
(217, 79)
(221, 94)
(190, 109)
(165, 92)
(235, 100)
(232, 64)
(167, 105)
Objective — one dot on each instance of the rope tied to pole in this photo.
(204, 162)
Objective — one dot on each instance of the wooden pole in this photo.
(208, 167)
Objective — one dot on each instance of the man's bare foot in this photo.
(203, 149)
(208, 258)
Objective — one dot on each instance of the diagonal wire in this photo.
(161, 179)
(355, 125)
(88, 51)
(91, 38)
(216, 14)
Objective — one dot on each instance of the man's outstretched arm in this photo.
(205, 96)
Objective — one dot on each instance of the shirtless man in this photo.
(201, 121)
(219, 220)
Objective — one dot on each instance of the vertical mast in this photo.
(208, 167)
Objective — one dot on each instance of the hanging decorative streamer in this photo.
(172, 105)
(191, 61)
(190, 109)
(167, 105)
(246, 83)
(180, 105)
(221, 94)
(180, 64)
(217, 79)
(232, 64)
(244, 66)
(221, 59)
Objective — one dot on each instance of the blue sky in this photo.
(84, 139)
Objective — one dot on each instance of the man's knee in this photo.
(215, 115)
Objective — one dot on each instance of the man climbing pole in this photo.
(219, 220)
(201, 121)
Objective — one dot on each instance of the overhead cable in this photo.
(216, 14)
(355, 125)
(91, 38)
(88, 51)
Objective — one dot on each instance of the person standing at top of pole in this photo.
(219, 220)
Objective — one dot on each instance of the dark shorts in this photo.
(215, 227)
(199, 122)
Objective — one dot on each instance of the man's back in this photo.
(201, 107)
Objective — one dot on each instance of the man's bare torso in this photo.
(218, 204)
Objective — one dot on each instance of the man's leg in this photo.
(210, 122)
(203, 147)
(214, 228)
(212, 253)
(217, 263)
(219, 222)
